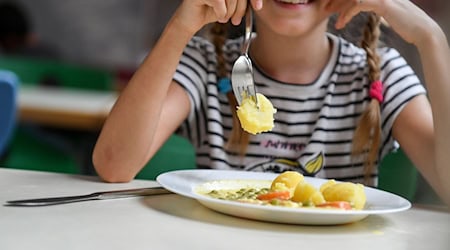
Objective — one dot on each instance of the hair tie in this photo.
(376, 90)
(224, 85)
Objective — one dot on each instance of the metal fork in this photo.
(242, 72)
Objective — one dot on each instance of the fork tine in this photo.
(242, 72)
(247, 91)
(252, 93)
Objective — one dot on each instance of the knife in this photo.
(93, 196)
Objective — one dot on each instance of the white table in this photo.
(65, 107)
(175, 222)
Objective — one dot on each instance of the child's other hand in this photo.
(194, 14)
(408, 20)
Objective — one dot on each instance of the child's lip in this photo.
(294, 1)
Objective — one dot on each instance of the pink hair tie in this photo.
(376, 90)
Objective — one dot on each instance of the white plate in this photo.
(186, 182)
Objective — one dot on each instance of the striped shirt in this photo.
(314, 123)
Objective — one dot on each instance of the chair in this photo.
(8, 93)
(398, 175)
(176, 154)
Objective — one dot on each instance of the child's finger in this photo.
(338, 5)
(257, 4)
(352, 10)
(346, 16)
(219, 8)
(239, 12)
(231, 8)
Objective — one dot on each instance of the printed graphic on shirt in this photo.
(279, 165)
(283, 145)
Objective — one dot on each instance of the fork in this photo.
(242, 72)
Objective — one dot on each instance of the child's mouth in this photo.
(294, 1)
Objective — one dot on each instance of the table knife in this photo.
(93, 196)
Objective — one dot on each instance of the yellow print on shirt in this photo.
(279, 165)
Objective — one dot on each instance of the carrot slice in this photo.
(282, 195)
(336, 204)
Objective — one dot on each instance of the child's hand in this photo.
(408, 20)
(194, 14)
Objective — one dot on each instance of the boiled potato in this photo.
(327, 184)
(256, 120)
(345, 191)
(286, 181)
(307, 194)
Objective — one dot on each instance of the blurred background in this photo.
(71, 58)
(106, 33)
(116, 33)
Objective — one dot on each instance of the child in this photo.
(340, 108)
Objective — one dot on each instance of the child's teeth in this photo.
(295, 1)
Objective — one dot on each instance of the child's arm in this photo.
(422, 130)
(152, 101)
(435, 57)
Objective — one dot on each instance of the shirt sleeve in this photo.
(401, 85)
(192, 75)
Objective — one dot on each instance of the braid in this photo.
(369, 43)
(368, 131)
(219, 33)
(238, 139)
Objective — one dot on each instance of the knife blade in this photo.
(106, 195)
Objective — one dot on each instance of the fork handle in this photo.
(248, 29)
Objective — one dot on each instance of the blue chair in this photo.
(8, 93)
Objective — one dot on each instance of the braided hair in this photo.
(366, 140)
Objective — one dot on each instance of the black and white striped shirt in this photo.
(314, 123)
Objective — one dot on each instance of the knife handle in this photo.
(131, 193)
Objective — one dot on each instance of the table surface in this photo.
(65, 107)
(175, 222)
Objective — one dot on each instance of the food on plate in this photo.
(290, 189)
(286, 181)
(254, 118)
(307, 194)
(345, 191)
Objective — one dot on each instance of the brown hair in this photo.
(368, 131)
(366, 140)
